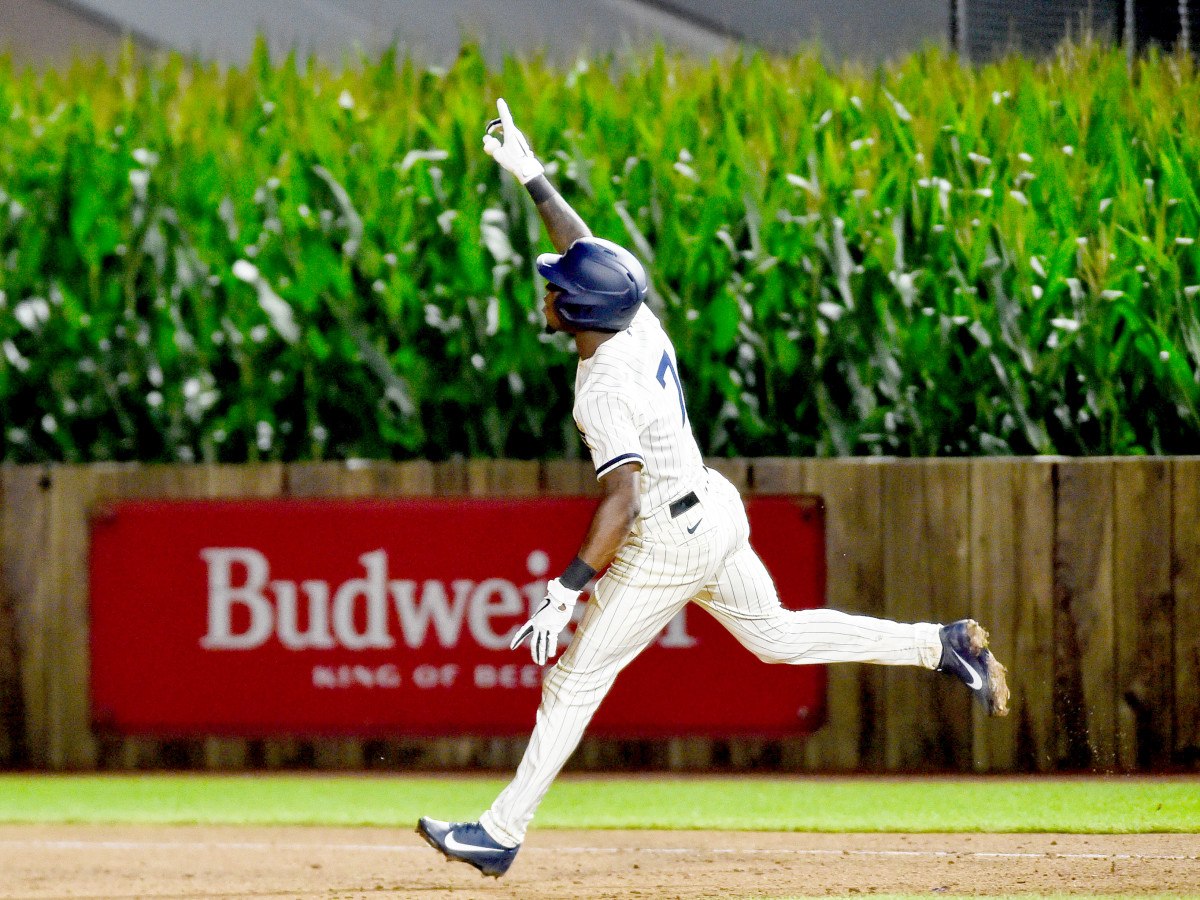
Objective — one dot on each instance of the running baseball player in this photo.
(670, 530)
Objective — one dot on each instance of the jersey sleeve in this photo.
(610, 431)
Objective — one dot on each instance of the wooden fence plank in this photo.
(158, 482)
(1186, 589)
(570, 478)
(1026, 646)
(74, 493)
(450, 478)
(1143, 613)
(1012, 596)
(947, 530)
(993, 585)
(778, 475)
(1083, 591)
(71, 492)
(911, 737)
(503, 477)
(231, 482)
(411, 478)
(12, 701)
(852, 491)
(329, 479)
(24, 524)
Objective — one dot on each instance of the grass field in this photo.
(1110, 805)
(88, 831)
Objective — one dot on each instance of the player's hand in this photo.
(545, 624)
(513, 154)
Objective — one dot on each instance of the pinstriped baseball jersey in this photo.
(629, 407)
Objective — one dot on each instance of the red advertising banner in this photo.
(389, 617)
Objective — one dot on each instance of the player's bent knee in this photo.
(770, 654)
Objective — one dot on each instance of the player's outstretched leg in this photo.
(468, 842)
(965, 654)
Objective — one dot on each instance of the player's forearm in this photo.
(614, 519)
(563, 224)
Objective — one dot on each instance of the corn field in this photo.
(290, 262)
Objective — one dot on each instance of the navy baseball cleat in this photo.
(965, 654)
(467, 842)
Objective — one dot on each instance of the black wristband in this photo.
(577, 575)
(540, 189)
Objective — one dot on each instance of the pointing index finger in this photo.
(505, 117)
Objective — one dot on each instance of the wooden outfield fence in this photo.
(1085, 571)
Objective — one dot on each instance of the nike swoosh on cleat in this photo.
(976, 681)
(692, 530)
(452, 844)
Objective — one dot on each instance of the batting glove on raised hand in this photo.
(545, 624)
(513, 154)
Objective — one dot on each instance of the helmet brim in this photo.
(549, 266)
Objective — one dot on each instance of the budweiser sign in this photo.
(371, 617)
(371, 611)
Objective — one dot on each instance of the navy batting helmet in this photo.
(603, 284)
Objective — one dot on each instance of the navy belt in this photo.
(683, 504)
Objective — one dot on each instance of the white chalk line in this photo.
(405, 848)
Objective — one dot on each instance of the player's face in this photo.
(553, 322)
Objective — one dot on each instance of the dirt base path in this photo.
(148, 863)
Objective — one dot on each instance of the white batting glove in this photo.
(513, 154)
(545, 624)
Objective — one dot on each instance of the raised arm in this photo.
(563, 225)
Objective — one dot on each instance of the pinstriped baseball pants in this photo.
(660, 569)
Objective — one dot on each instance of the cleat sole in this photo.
(997, 674)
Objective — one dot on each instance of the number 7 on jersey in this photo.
(664, 367)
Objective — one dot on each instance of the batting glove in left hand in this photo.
(545, 624)
(514, 155)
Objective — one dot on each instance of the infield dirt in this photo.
(44, 862)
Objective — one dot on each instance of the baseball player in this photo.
(669, 530)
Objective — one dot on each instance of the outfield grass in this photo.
(1083, 805)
